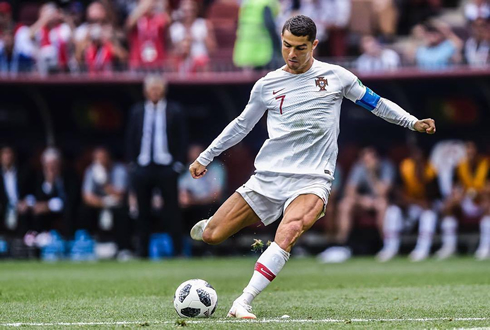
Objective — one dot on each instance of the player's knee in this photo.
(210, 237)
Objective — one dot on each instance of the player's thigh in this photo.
(233, 215)
(299, 216)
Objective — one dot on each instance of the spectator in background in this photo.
(477, 47)
(475, 9)
(442, 47)
(156, 149)
(97, 45)
(104, 191)
(257, 42)
(8, 61)
(367, 188)
(199, 200)
(147, 26)
(6, 22)
(56, 194)
(192, 37)
(51, 36)
(96, 15)
(6, 38)
(11, 60)
(13, 189)
(386, 14)
(469, 199)
(336, 17)
(376, 58)
(103, 50)
(416, 201)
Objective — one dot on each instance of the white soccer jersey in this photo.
(303, 116)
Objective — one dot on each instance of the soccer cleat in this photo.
(445, 252)
(418, 255)
(386, 255)
(198, 229)
(241, 310)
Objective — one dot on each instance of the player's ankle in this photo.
(246, 297)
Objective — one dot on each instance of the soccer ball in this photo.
(195, 298)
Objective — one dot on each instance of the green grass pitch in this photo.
(358, 294)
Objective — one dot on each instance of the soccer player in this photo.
(295, 166)
(470, 200)
(416, 201)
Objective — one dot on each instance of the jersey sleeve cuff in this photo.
(203, 160)
(411, 125)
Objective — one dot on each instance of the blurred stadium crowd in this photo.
(217, 35)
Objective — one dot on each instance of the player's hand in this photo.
(197, 170)
(425, 126)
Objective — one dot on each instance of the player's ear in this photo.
(315, 43)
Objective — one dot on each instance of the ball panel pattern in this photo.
(184, 292)
(190, 312)
(204, 297)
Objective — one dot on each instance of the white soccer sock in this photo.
(449, 226)
(427, 227)
(392, 227)
(484, 233)
(266, 269)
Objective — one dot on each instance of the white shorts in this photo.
(270, 194)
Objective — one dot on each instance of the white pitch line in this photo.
(20, 324)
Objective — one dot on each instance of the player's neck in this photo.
(301, 70)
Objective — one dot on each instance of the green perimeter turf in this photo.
(34, 292)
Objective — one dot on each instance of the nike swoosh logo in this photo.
(265, 271)
(275, 92)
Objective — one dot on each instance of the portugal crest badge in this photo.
(322, 83)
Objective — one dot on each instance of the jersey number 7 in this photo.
(281, 97)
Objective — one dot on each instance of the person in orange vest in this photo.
(416, 199)
(469, 198)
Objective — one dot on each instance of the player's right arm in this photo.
(233, 133)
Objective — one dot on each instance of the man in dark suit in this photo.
(57, 196)
(13, 190)
(156, 150)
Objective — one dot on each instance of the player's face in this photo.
(297, 52)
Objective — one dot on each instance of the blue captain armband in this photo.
(369, 100)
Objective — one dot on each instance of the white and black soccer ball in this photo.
(195, 298)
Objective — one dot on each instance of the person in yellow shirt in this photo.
(415, 200)
(469, 198)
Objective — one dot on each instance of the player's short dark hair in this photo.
(301, 26)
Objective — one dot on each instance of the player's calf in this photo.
(287, 234)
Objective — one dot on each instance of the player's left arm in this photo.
(383, 108)
(393, 113)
